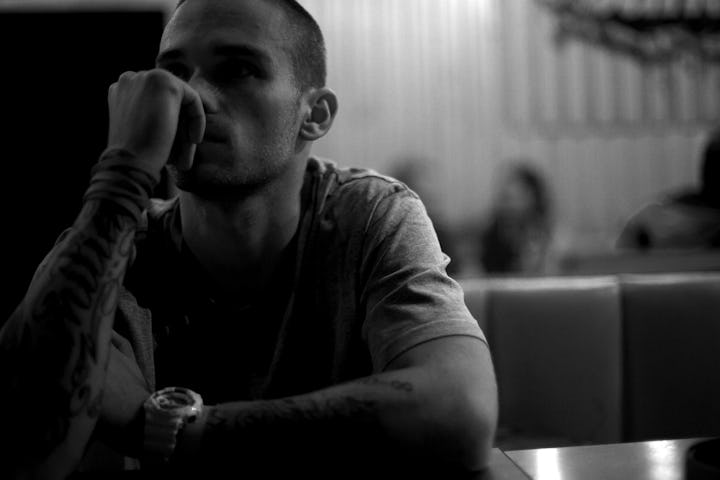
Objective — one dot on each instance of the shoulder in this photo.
(345, 181)
(357, 198)
(363, 204)
(647, 216)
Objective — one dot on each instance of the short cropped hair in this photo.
(308, 53)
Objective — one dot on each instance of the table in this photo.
(654, 460)
(651, 460)
(501, 467)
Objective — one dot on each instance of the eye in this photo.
(178, 69)
(233, 70)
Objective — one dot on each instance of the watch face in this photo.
(167, 411)
(178, 400)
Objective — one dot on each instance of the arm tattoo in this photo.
(342, 423)
(297, 430)
(310, 412)
(59, 353)
(394, 384)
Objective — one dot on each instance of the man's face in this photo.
(236, 54)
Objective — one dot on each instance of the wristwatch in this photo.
(167, 412)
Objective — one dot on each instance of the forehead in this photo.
(204, 23)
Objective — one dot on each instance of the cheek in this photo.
(265, 108)
(264, 122)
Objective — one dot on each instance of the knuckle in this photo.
(157, 78)
(126, 76)
(162, 81)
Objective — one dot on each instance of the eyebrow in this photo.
(220, 50)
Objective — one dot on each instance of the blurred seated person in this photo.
(687, 219)
(517, 236)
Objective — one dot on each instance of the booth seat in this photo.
(619, 261)
(671, 345)
(599, 359)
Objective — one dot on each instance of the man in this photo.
(682, 220)
(307, 304)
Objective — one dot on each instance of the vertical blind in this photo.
(464, 86)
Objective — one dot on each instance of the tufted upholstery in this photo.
(556, 347)
(599, 359)
(672, 355)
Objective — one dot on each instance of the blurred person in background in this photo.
(518, 233)
(688, 219)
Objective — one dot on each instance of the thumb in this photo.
(190, 128)
(186, 157)
(193, 112)
(183, 149)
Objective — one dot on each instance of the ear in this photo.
(323, 106)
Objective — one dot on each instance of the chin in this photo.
(224, 173)
(210, 181)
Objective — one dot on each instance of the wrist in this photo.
(127, 160)
(190, 435)
(120, 179)
(167, 413)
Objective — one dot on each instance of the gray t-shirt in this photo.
(363, 281)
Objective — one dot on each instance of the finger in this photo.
(126, 76)
(112, 96)
(193, 112)
(111, 100)
(123, 79)
(183, 155)
(183, 150)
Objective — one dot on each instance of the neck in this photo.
(239, 242)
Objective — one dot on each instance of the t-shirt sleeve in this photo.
(408, 296)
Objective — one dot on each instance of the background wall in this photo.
(470, 84)
(462, 86)
(56, 69)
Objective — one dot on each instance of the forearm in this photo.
(386, 418)
(55, 346)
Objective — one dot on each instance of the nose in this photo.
(207, 91)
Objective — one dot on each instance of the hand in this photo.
(167, 411)
(154, 114)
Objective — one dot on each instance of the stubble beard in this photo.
(236, 178)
